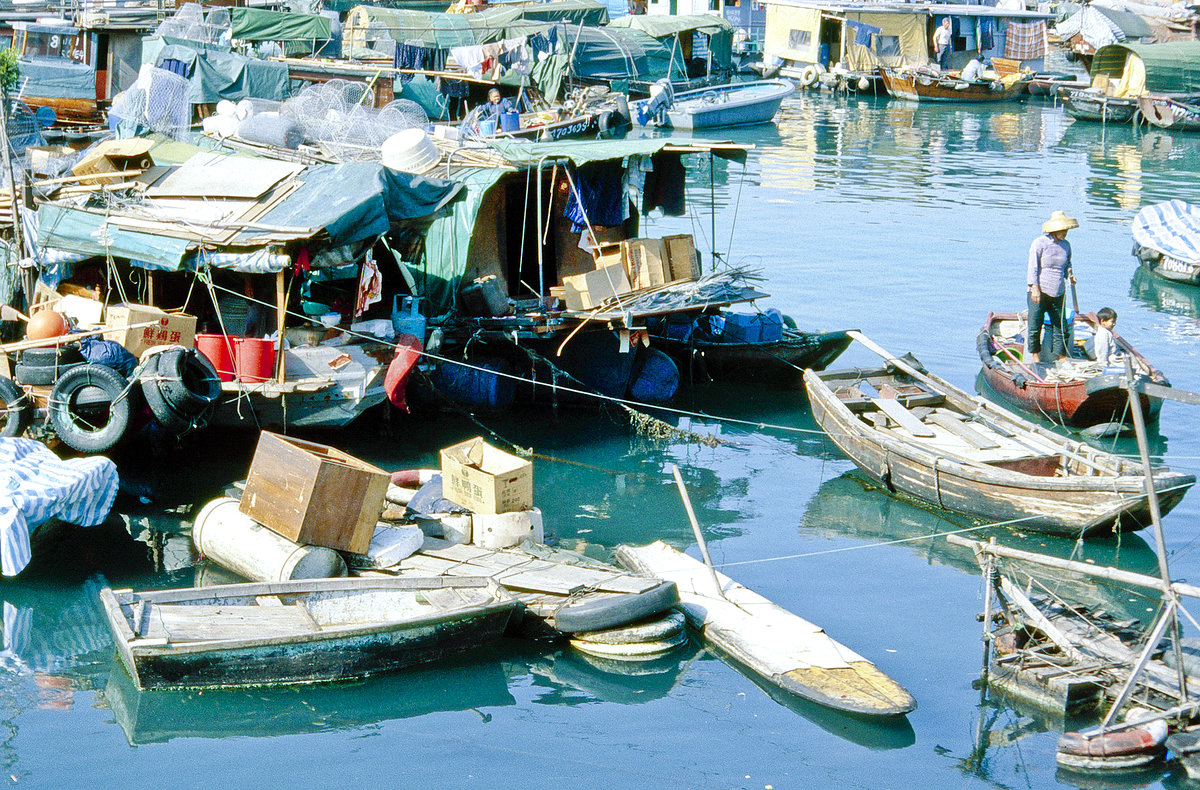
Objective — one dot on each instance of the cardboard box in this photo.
(646, 263)
(682, 261)
(590, 289)
(314, 494)
(609, 254)
(486, 480)
(112, 156)
(169, 329)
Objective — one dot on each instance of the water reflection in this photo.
(566, 676)
(1167, 297)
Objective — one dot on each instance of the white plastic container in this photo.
(410, 151)
(225, 535)
(501, 530)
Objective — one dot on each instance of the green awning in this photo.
(255, 24)
(1173, 67)
(448, 241)
(613, 53)
(580, 152)
(662, 26)
(74, 230)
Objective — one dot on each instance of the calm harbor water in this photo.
(908, 222)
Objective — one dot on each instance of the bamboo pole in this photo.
(280, 317)
(691, 514)
(21, 345)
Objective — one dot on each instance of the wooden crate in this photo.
(314, 494)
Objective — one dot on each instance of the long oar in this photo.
(687, 505)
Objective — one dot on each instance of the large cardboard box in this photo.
(486, 480)
(168, 329)
(590, 289)
(314, 494)
(646, 262)
(114, 156)
(682, 263)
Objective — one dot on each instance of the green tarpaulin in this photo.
(254, 24)
(443, 31)
(666, 28)
(580, 152)
(608, 53)
(1173, 67)
(217, 75)
(448, 241)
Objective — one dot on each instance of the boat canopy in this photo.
(1172, 67)
(256, 24)
(718, 29)
(215, 73)
(332, 205)
(608, 53)
(1172, 228)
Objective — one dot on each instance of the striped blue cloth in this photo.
(1172, 228)
(36, 486)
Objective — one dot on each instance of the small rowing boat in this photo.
(920, 85)
(779, 647)
(1091, 104)
(735, 104)
(1075, 392)
(918, 435)
(299, 631)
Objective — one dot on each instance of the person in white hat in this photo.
(1047, 276)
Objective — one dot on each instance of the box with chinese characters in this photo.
(167, 329)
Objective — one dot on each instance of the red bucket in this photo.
(217, 349)
(254, 359)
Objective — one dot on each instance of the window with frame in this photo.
(799, 39)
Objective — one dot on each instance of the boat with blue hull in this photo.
(736, 104)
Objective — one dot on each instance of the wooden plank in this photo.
(268, 600)
(903, 417)
(447, 598)
(206, 623)
(1169, 393)
(956, 426)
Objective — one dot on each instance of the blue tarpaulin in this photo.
(1172, 228)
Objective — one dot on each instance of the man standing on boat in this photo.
(1047, 276)
(941, 44)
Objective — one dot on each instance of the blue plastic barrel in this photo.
(477, 386)
(510, 121)
(657, 377)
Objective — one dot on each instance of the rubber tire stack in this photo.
(640, 641)
(85, 386)
(181, 388)
(44, 366)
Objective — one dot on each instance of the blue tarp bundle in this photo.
(216, 74)
(58, 79)
(1172, 228)
(36, 486)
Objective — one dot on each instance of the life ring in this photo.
(809, 76)
(18, 411)
(90, 408)
(187, 380)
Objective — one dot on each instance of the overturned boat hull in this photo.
(781, 362)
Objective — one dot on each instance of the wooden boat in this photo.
(780, 362)
(1167, 241)
(1048, 84)
(1074, 392)
(567, 592)
(928, 86)
(1169, 113)
(301, 631)
(735, 104)
(1092, 105)
(920, 436)
(778, 647)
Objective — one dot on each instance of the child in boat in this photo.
(1104, 345)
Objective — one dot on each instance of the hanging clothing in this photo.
(987, 33)
(665, 186)
(470, 58)
(601, 196)
(453, 89)
(410, 56)
(863, 32)
(1025, 40)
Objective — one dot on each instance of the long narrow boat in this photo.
(920, 436)
(1074, 392)
(301, 631)
(736, 104)
(1089, 104)
(780, 362)
(779, 647)
(946, 87)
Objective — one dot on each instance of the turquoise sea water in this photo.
(909, 222)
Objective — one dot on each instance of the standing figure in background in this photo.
(1047, 276)
(941, 44)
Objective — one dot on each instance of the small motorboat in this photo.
(305, 631)
(1076, 391)
(1167, 241)
(922, 84)
(735, 104)
(918, 435)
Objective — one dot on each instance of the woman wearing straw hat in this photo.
(1047, 276)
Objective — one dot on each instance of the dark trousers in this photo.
(943, 58)
(1047, 306)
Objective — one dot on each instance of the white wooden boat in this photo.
(299, 631)
(781, 648)
(736, 104)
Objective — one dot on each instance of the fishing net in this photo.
(338, 116)
(157, 101)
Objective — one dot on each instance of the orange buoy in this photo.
(46, 324)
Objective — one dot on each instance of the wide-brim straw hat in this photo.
(1059, 221)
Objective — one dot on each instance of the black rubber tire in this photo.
(18, 411)
(599, 614)
(90, 409)
(166, 416)
(41, 376)
(187, 380)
